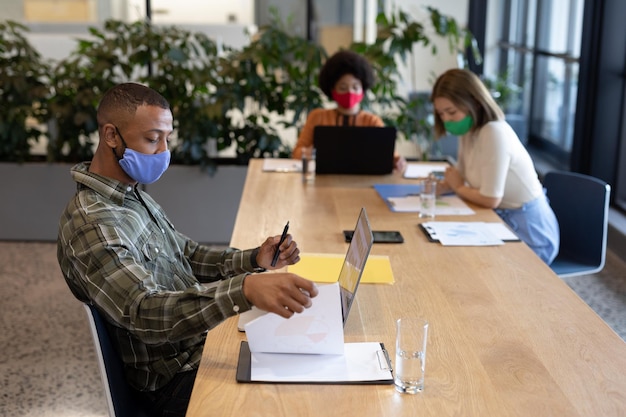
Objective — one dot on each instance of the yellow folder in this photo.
(325, 267)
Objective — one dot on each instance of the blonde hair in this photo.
(467, 92)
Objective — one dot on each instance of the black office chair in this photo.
(581, 205)
(119, 395)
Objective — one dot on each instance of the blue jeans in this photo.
(535, 224)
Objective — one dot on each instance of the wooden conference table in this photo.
(507, 336)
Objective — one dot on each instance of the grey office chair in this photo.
(119, 395)
(581, 204)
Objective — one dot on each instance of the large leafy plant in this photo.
(269, 83)
(221, 97)
(177, 63)
(218, 97)
(24, 90)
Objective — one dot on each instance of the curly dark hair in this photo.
(342, 63)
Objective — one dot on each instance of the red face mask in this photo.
(347, 100)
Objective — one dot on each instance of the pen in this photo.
(280, 242)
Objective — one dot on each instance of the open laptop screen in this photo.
(354, 262)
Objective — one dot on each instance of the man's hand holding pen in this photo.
(288, 253)
(280, 293)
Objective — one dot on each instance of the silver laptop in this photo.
(349, 276)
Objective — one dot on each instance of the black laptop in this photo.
(354, 150)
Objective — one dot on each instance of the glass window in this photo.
(539, 51)
(555, 103)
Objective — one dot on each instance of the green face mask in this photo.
(461, 127)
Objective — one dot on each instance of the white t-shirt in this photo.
(495, 161)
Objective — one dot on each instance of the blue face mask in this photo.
(142, 167)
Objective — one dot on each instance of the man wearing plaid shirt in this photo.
(118, 250)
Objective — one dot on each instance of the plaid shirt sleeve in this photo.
(143, 276)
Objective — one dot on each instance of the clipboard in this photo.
(501, 230)
(379, 357)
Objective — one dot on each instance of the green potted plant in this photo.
(272, 83)
(184, 71)
(246, 96)
(252, 92)
(175, 62)
(34, 188)
(23, 92)
(185, 68)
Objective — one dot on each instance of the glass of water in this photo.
(411, 339)
(308, 165)
(428, 197)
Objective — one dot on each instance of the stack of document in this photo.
(405, 198)
(468, 233)
(309, 348)
(445, 205)
(282, 165)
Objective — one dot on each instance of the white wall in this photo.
(202, 12)
(57, 46)
(11, 10)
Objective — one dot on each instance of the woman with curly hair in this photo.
(344, 78)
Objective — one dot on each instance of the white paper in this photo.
(452, 205)
(282, 165)
(309, 347)
(447, 205)
(359, 363)
(408, 203)
(423, 169)
(317, 330)
(462, 233)
(501, 230)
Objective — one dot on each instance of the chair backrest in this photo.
(121, 399)
(581, 205)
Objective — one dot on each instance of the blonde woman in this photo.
(494, 169)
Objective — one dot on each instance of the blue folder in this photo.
(396, 190)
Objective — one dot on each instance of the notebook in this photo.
(354, 150)
(349, 276)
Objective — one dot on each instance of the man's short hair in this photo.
(126, 98)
